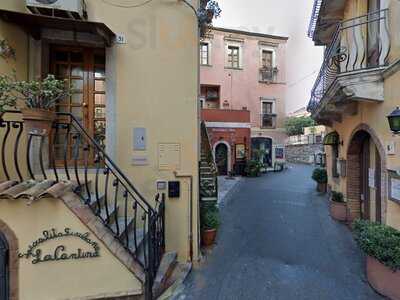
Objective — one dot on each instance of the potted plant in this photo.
(321, 177)
(381, 244)
(253, 168)
(40, 98)
(338, 207)
(7, 99)
(209, 225)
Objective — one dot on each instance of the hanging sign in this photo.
(60, 252)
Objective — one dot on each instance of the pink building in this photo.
(246, 71)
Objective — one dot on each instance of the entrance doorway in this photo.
(262, 150)
(84, 71)
(4, 268)
(364, 178)
(221, 158)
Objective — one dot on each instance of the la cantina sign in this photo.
(60, 252)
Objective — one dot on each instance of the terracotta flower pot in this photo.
(208, 237)
(321, 187)
(338, 211)
(39, 121)
(383, 279)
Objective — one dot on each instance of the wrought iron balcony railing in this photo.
(358, 44)
(268, 121)
(268, 74)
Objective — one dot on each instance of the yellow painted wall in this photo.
(62, 279)
(374, 115)
(155, 85)
(157, 88)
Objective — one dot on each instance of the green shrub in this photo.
(320, 175)
(253, 168)
(209, 216)
(337, 197)
(379, 241)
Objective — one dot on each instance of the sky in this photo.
(283, 17)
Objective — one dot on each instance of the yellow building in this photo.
(357, 88)
(80, 217)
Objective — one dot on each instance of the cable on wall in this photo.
(127, 6)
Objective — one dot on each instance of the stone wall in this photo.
(302, 153)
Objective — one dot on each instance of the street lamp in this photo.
(394, 121)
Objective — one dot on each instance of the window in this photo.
(267, 59)
(268, 116)
(204, 54)
(233, 57)
(267, 107)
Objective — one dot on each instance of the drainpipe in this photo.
(190, 237)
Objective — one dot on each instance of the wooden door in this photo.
(84, 71)
(378, 190)
(364, 179)
(4, 285)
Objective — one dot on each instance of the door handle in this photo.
(84, 104)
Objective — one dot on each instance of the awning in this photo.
(33, 24)
(332, 139)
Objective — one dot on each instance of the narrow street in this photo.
(277, 241)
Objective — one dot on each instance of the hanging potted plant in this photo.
(7, 99)
(381, 244)
(338, 207)
(321, 177)
(209, 224)
(40, 98)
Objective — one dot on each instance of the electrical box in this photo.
(139, 139)
(174, 189)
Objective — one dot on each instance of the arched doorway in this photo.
(222, 158)
(4, 268)
(264, 145)
(364, 176)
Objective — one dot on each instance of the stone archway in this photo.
(358, 158)
(223, 145)
(13, 262)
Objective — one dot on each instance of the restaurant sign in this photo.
(60, 252)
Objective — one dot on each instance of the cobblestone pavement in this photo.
(277, 241)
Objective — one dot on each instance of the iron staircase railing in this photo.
(139, 226)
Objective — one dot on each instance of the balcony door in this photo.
(373, 33)
(84, 71)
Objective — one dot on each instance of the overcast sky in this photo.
(283, 17)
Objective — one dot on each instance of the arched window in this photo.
(4, 268)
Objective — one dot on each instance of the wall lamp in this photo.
(394, 121)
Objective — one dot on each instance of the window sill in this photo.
(206, 65)
(262, 127)
(232, 68)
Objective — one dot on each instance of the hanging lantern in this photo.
(394, 121)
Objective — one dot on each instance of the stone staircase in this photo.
(99, 194)
(112, 228)
(208, 172)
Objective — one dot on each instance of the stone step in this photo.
(167, 266)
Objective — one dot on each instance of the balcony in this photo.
(268, 121)
(268, 75)
(352, 68)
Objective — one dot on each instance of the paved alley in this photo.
(277, 241)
